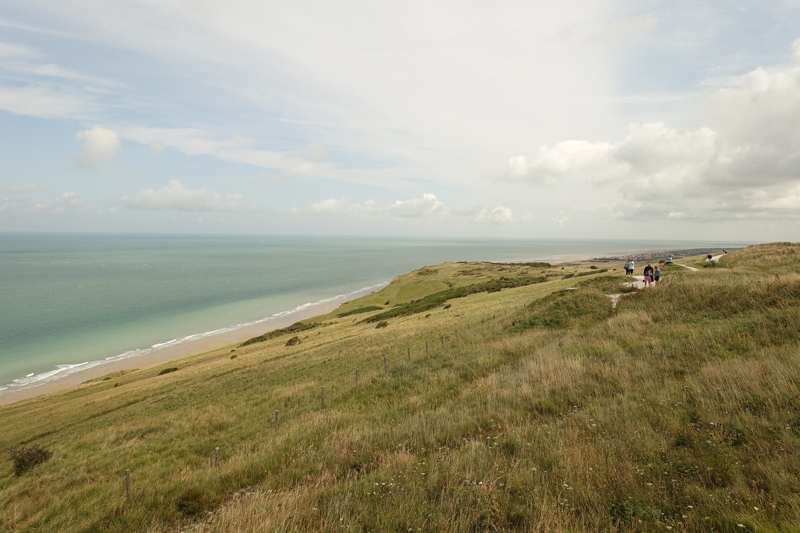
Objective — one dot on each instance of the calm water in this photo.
(68, 300)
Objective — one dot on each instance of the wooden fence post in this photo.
(469, 330)
(127, 483)
(277, 420)
(426, 347)
(356, 377)
(322, 397)
(442, 340)
(384, 365)
(216, 456)
(409, 354)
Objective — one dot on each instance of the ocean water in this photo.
(69, 301)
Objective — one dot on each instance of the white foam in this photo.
(61, 371)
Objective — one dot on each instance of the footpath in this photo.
(639, 283)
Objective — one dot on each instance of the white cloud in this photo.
(237, 149)
(41, 102)
(67, 203)
(176, 196)
(99, 146)
(425, 207)
(314, 152)
(742, 167)
(17, 51)
(560, 221)
(28, 187)
(610, 210)
(156, 147)
(497, 215)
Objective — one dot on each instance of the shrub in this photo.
(438, 298)
(382, 324)
(360, 310)
(293, 341)
(28, 457)
(297, 327)
(167, 371)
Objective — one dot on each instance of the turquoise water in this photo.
(82, 299)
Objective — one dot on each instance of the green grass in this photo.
(541, 410)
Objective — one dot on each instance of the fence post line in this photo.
(216, 456)
(127, 483)
(322, 397)
(277, 419)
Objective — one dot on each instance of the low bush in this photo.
(27, 457)
(294, 328)
(293, 341)
(360, 310)
(438, 298)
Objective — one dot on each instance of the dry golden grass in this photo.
(679, 409)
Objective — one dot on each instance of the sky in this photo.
(615, 119)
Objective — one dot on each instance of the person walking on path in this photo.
(648, 275)
(657, 275)
(630, 267)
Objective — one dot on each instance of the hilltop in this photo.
(490, 397)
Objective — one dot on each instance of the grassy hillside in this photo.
(535, 408)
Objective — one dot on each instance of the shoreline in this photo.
(169, 351)
(207, 341)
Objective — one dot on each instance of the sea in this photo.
(74, 301)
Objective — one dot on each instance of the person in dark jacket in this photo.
(648, 275)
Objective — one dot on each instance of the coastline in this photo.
(171, 350)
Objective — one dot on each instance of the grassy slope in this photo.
(678, 409)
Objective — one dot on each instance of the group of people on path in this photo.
(650, 275)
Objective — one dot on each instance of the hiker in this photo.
(628, 268)
(657, 275)
(648, 275)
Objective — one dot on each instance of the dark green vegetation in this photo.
(439, 298)
(677, 411)
(26, 457)
(294, 328)
(367, 309)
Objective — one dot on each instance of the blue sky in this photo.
(510, 119)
